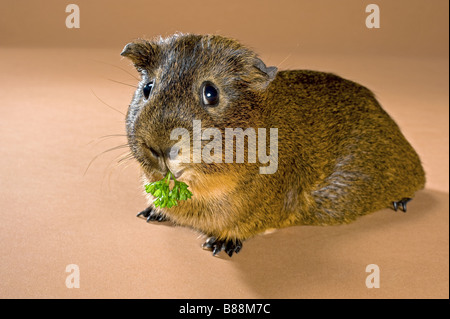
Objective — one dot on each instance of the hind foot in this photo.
(216, 246)
(402, 203)
(151, 215)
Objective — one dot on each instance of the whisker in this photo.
(106, 151)
(127, 164)
(112, 135)
(116, 66)
(105, 137)
(127, 157)
(133, 86)
(125, 161)
(284, 60)
(107, 104)
(111, 169)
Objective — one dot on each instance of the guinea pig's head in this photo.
(210, 80)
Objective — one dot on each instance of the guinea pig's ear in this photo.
(269, 72)
(142, 53)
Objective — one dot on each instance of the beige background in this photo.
(53, 212)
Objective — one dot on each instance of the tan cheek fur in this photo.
(210, 188)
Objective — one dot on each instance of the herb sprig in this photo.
(166, 197)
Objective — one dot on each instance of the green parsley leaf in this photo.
(166, 197)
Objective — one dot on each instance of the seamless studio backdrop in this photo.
(65, 201)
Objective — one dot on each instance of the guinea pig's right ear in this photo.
(268, 72)
(142, 53)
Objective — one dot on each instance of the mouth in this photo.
(155, 175)
(176, 175)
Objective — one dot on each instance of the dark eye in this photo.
(147, 89)
(210, 94)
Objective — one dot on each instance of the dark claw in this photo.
(238, 247)
(229, 249)
(151, 215)
(146, 212)
(402, 204)
(216, 246)
(217, 249)
(209, 243)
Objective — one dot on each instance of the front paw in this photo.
(216, 246)
(152, 215)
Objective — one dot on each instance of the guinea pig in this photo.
(293, 147)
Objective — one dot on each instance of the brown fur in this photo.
(340, 154)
